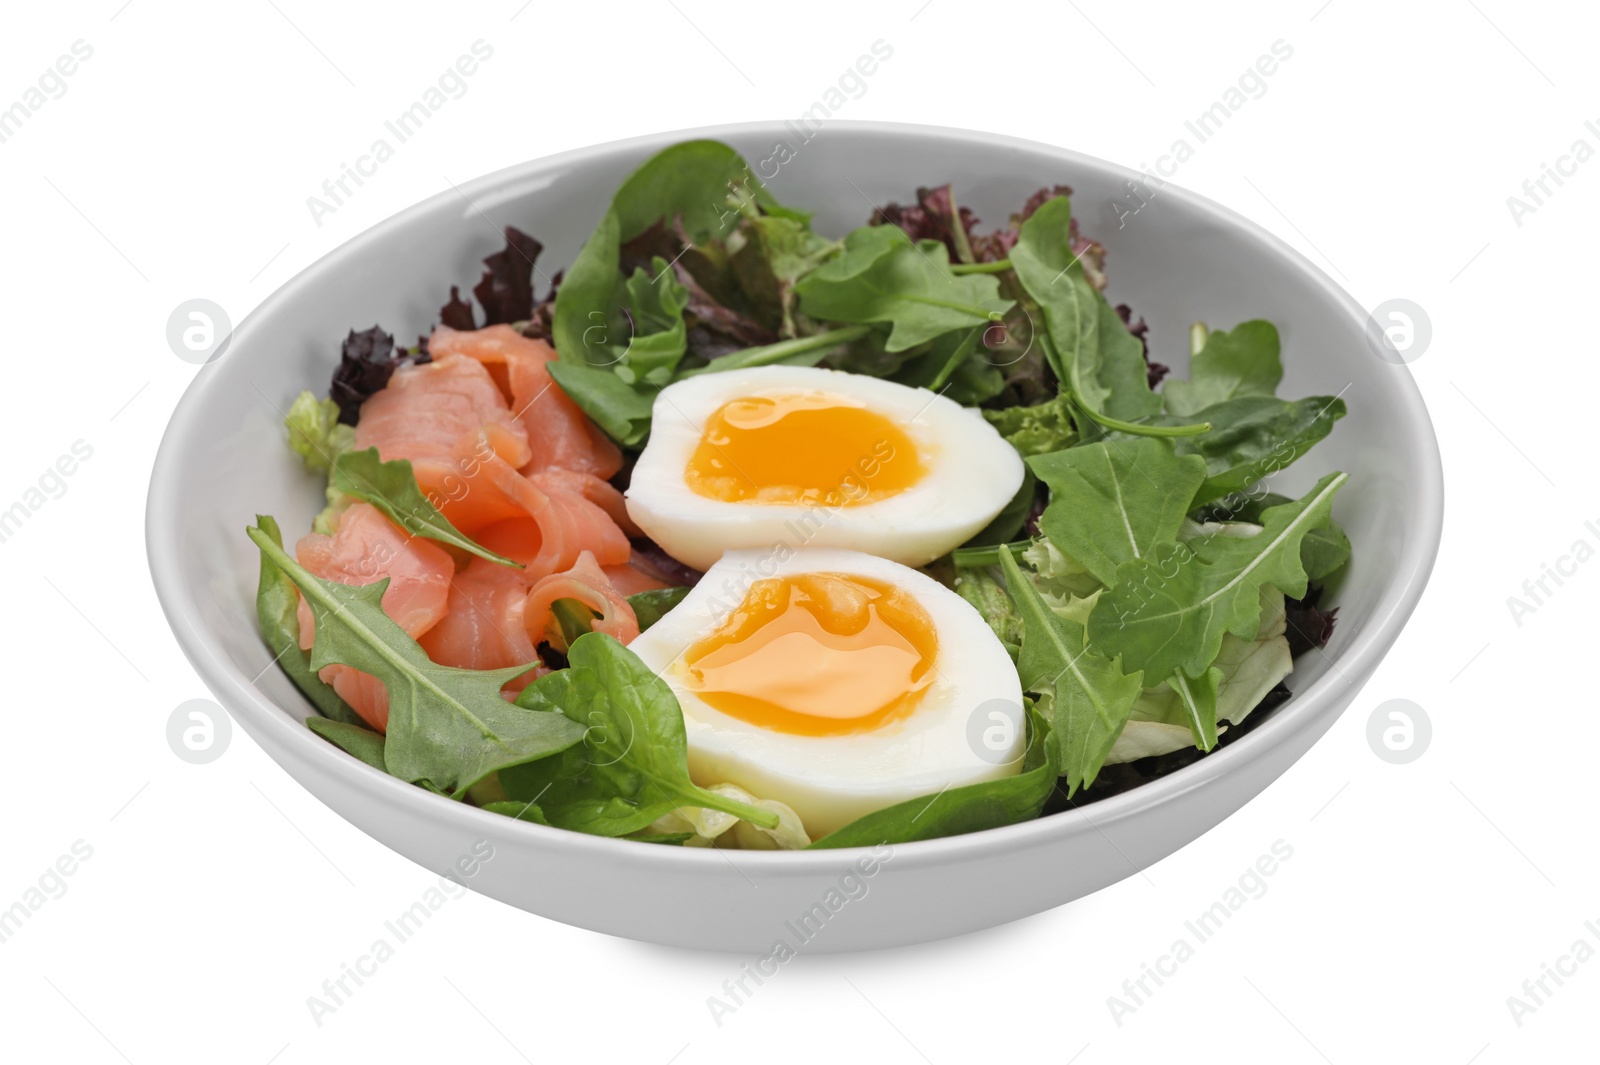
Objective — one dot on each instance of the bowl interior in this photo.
(1178, 260)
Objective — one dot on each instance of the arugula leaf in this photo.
(447, 726)
(1324, 551)
(1170, 609)
(1087, 696)
(1086, 342)
(1241, 363)
(277, 612)
(1115, 500)
(881, 277)
(355, 740)
(1253, 436)
(1039, 429)
(392, 488)
(315, 432)
(649, 607)
(957, 811)
(633, 763)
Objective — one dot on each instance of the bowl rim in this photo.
(238, 693)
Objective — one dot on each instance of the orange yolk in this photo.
(819, 654)
(806, 447)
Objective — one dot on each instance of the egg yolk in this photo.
(819, 654)
(803, 447)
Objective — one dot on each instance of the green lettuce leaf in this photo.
(315, 433)
(1039, 429)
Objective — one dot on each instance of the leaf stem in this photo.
(783, 349)
(999, 266)
(976, 557)
(1132, 429)
(958, 232)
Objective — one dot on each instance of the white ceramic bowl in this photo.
(1180, 259)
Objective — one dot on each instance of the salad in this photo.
(737, 534)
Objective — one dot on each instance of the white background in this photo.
(219, 897)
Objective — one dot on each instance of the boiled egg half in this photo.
(836, 682)
(807, 457)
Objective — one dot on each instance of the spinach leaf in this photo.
(1115, 500)
(1086, 342)
(1170, 609)
(586, 327)
(881, 277)
(957, 811)
(1085, 694)
(1253, 436)
(1039, 429)
(355, 740)
(1241, 363)
(705, 183)
(633, 763)
(392, 488)
(945, 355)
(621, 409)
(277, 612)
(649, 607)
(447, 726)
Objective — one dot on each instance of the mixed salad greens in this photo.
(1150, 590)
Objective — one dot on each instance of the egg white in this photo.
(971, 474)
(832, 780)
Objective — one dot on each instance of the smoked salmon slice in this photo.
(448, 418)
(554, 522)
(484, 626)
(560, 435)
(587, 583)
(365, 548)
